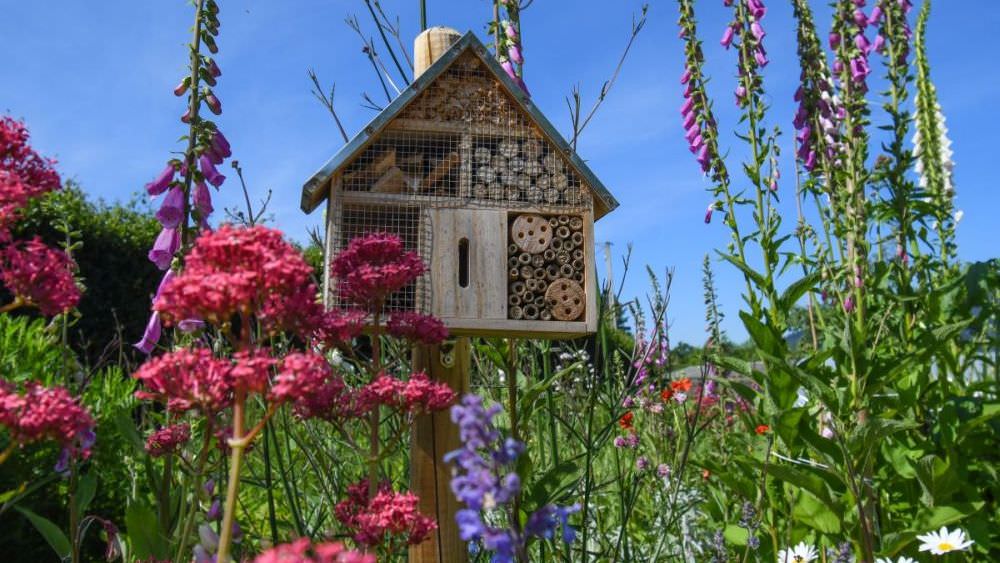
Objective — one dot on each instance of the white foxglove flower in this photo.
(958, 215)
(944, 143)
(944, 541)
(801, 553)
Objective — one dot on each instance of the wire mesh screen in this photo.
(360, 220)
(464, 137)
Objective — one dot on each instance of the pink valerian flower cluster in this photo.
(34, 273)
(46, 413)
(423, 329)
(385, 517)
(338, 326)
(187, 379)
(39, 275)
(168, 440)
(304, 551)
(373, 267)
(242, 271)
(306, 380)
(416, 395)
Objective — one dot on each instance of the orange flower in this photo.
(705, 474)
(666, 395)
(626, 421)
(762, 429)
(681, 385)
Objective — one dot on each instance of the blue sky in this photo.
(93, 80)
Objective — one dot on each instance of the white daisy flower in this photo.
(801, 553)
(902, 559)
(943, 541)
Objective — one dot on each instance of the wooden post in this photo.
(433, 436)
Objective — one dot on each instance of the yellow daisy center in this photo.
(945, 546)
(798, 559)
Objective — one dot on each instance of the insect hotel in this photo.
(466, 170)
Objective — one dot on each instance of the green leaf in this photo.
(736, 535)
(797, 289)
(787, 426)
(757, 278)
(812, 512)
(548, 485)
(143, 531)
(126, 427)
(804, 478)
(86, 489)
(51, 532)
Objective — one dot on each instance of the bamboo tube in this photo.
(578, 254)
(541, 284)
(512, 262)
(539, 302)
(527, 272)
(551, 272)
(563, 232)
(564, 219)
(539, 274)
(530, 312)
(577, 265)
(531, 285)
(553, 222)
(524, 258)
(512, 248)
(562, 257)
(575, 223)
(528, 297)
(538, 260)
(578, 276)
(566, 271)
(514, 300)
(556, 245)
(577, 238)
(545, 315)
(514, 274)
(516, 313)
(518, 288)
(549, 255)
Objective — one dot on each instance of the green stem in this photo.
(235, 461)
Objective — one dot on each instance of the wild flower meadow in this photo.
(859, 422)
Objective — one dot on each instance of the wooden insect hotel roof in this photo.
(432, 103)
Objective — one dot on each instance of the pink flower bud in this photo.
(213, 103)
(182, 87)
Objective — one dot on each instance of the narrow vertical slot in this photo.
(463, 262)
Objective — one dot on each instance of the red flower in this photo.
(762, 429)
(40, 276)
(373, 267)
(681, 385)
(337, 327)
(187, 379)
(388, 513)
(424, 329)
(303, 551)
(626, 421)
(167, 440)
(307, 381)
(35, 173)
(247, 271)
(46, 413)
(666, 395)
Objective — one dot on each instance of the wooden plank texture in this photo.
(433, 436)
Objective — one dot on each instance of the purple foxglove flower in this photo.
(220, 145)
(687, 106)
(213, 69)
(799, 94)
(860, 19)
(760, 56)
(689, 90)
(209, 539)
(212, 155)
(186, 118)
(879, 44)
(727, 36)
(209, 172)
(697, 144)
(704, 158)
(876, 15)
(508, 67)
(214, 511)
(692, 132)
(151, 335)
(859, 69)
(834, 40)
(838, 66)
(162, 182)
(190, 325)
(810, 163)
(862, 42)
(172, 209)
(757, 30)
(757, 9)
(690, 120)
(804, 133)
(213, 103)
(203, 200)
(849, 304)
(166, 245)
(741, 94)
(514, 51)
(708, 213)
(774, 184)
(510, 31)
(800, 117)
(686, 77)
(182, 87)
(209, 487)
